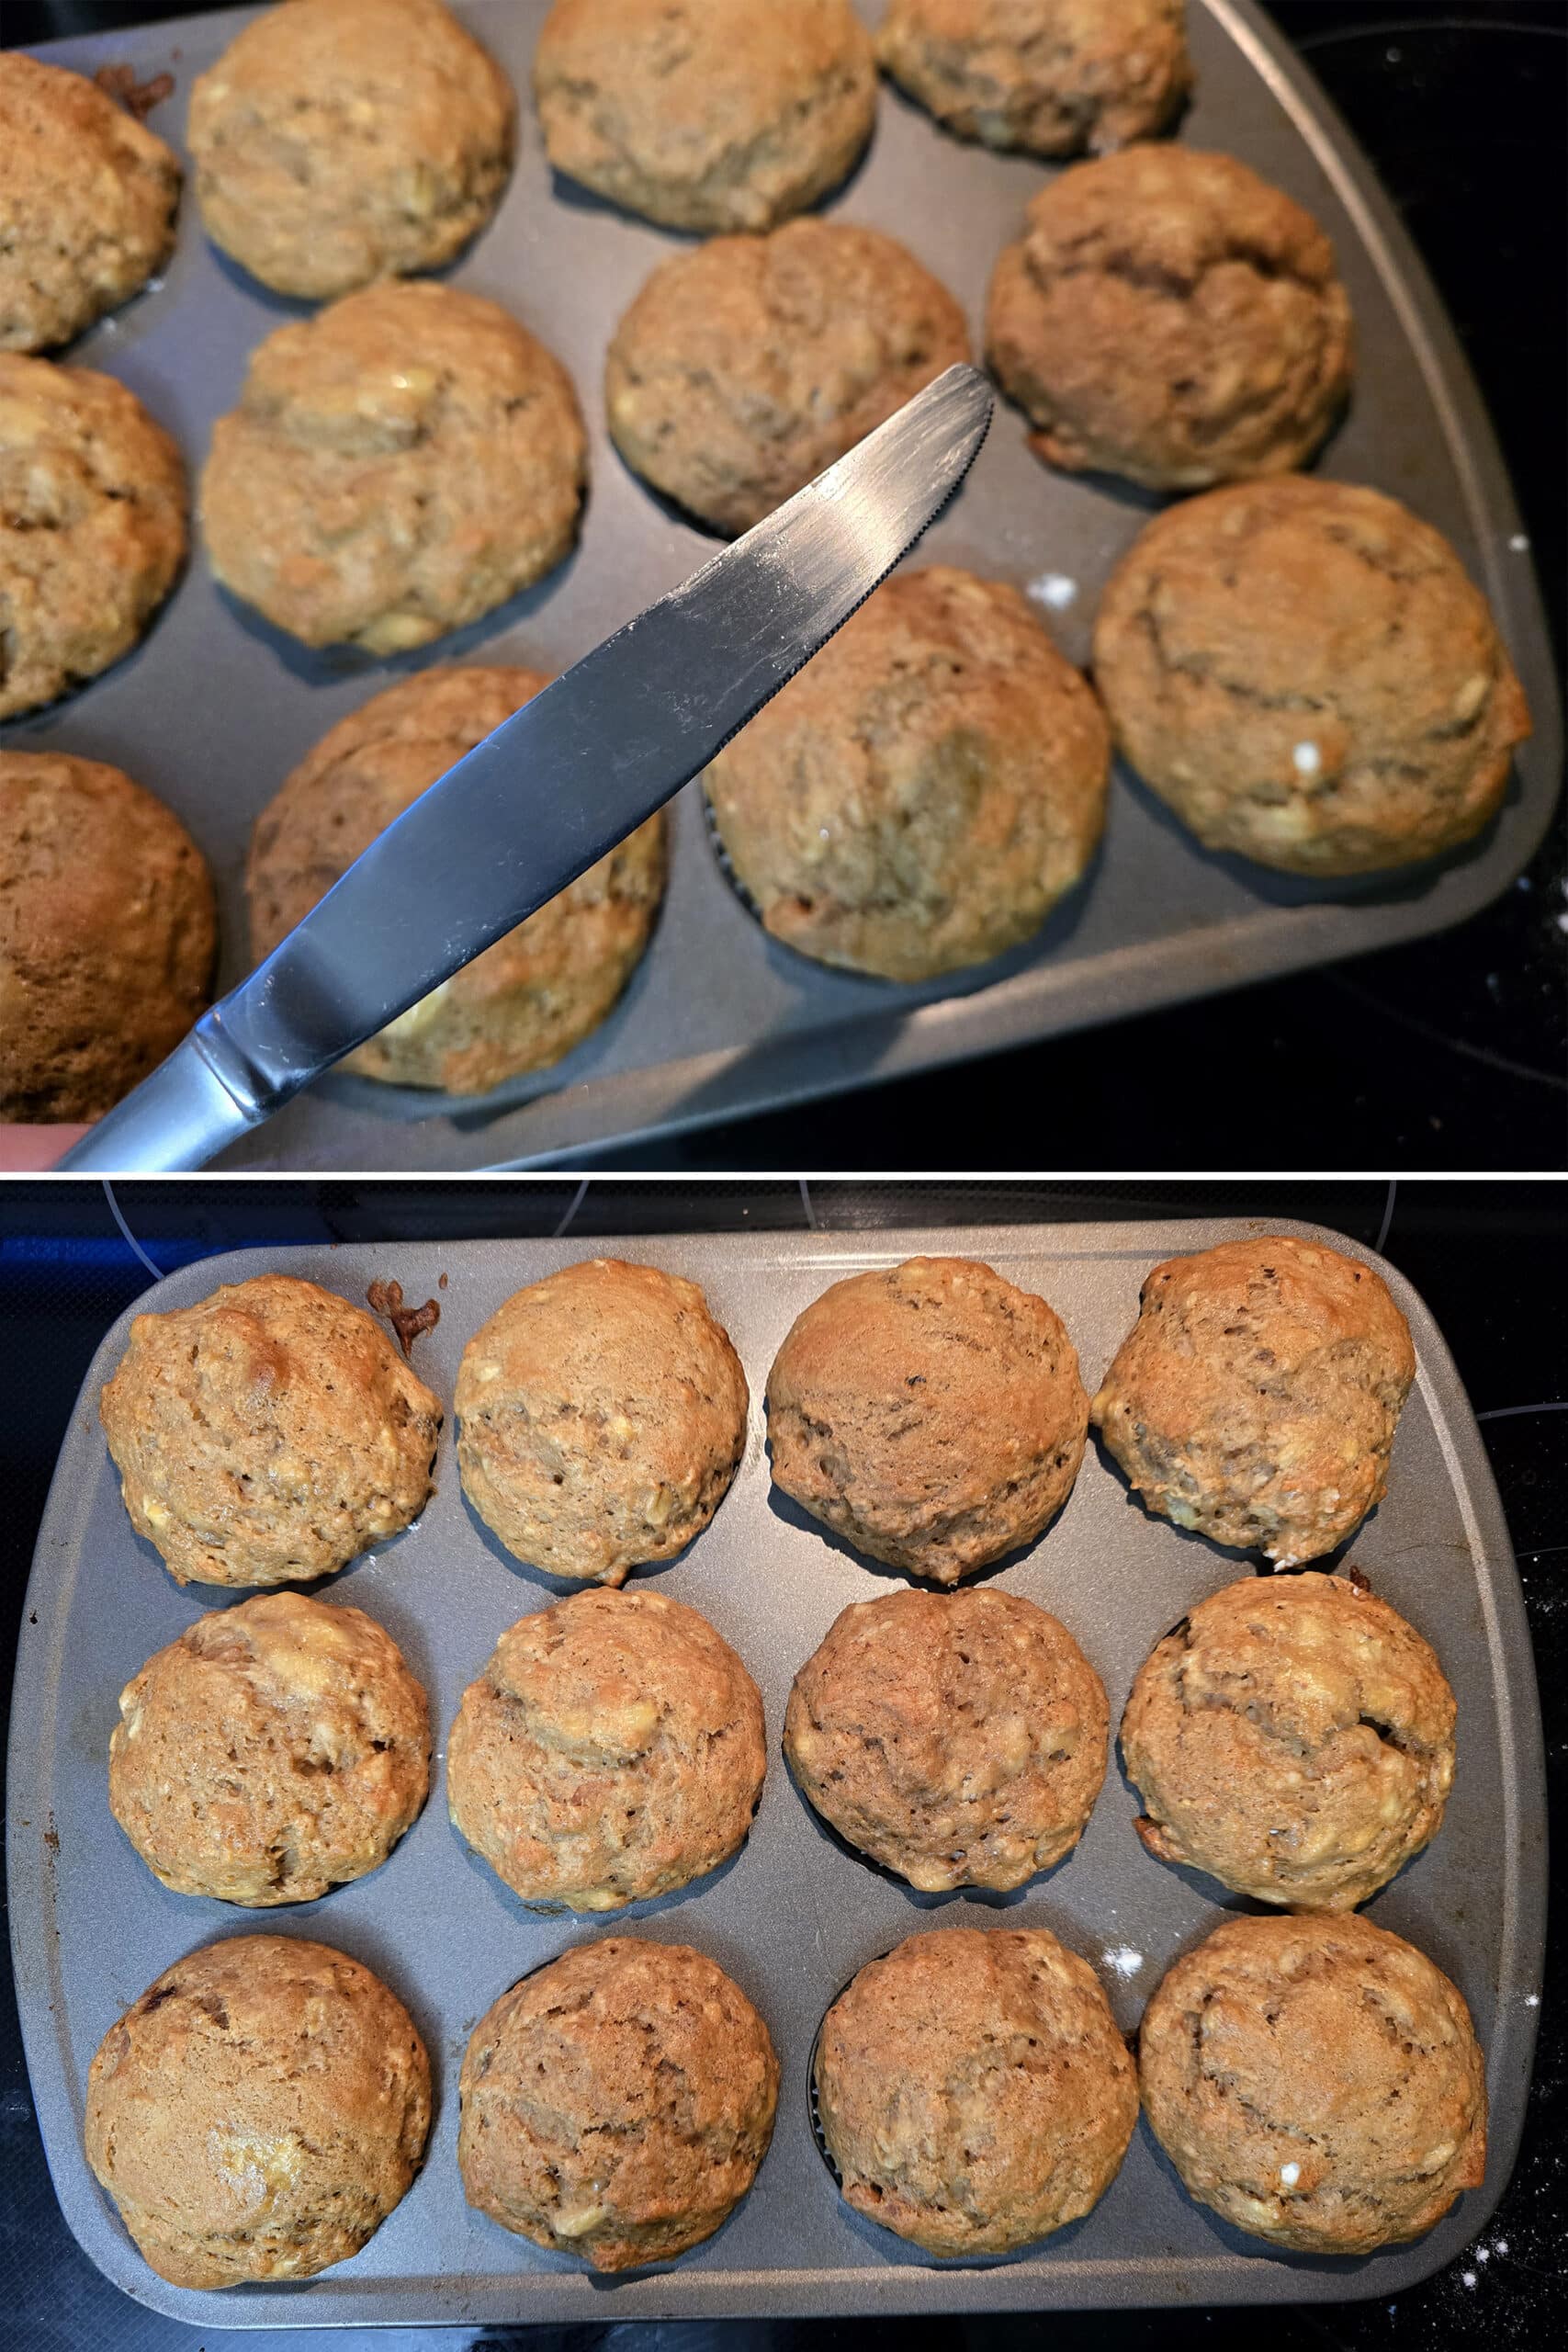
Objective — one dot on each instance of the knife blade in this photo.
(553, 789)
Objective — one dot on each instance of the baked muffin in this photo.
(267, 1435)
(957, 1738)
(398, 465)
(705, 114)
(1050, 76)
(930, 1413)
(618, 2103)
(610, 1751)
(1303, 671)
(107, 935)
(747, 364)
(258, 2113)
(1170, 316)
(341, 141)
(602, 1416)
(919, 799)
(1256, 1397)
(1316, 2081)
(88, 195)
(274, 1751)
(972, 2091)
(91, 527)
(532, 996)
(1295, 1737)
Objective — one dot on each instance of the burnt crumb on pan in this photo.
(1353, 1575)
(138, 98)
(410, 1323)
(440, 1282)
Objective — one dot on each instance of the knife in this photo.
(552, 790)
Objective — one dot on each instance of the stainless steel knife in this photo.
(552, 790)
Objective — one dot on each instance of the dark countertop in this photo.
(1448, 1054)
(1489, 1258)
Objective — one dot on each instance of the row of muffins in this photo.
(324, 163)
(915, 803)
(970, 2090)
(930, 1413)
(266, 2104)
(1294, 1740)
(749, 128)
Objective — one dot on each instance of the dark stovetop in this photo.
(1452, 1053)
(1489, 1260)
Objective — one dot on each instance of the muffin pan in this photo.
(215, 708)
(795, 1914)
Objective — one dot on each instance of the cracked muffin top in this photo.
(930, 1413)
(336, 141)
(269, 1435)
(91, 527)
(1050, 76)
(972, 2090)
(275, 1750)
(88, 195)
(1303, 671)
(107, 935)
(258, 2113)
(612, 1750)
(1256, 1397)
(398, 465)
(1316, 2081)
(705, 114)
(1170, 317)
(920, 796)
(602, 1416)
(957, 1738)
(616, 2104)
(747, 366)
(536, 993)
(1295, 1737)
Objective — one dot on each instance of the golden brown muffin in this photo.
(336, 141)
(1316, 2081)
(930, 1413)
(1256, 1397)
(972, 2091)
(618, 2103)
(1170, 316)
(1052, 76)
(532, 996)
(610, 1751)
(602, 1416)
(1295, 1737)
(107, 935)
(747, 366)
(267, 1435)
(258, 2113)
(1303, 671)
(91, 527)
(705, 114)
(87, 197)
(275, 1750)
(919, 799)
(398, 465)
(957, 1738)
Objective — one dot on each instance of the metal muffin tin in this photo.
(216, 707)
(796, 1913)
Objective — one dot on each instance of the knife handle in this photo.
(180, 1117)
